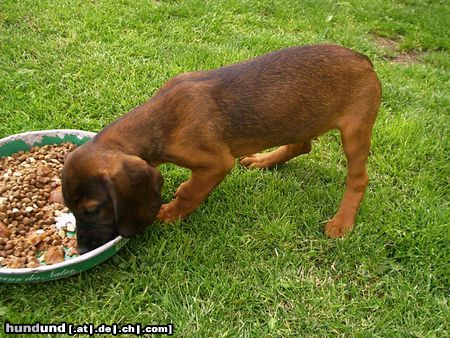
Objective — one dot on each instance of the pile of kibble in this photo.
(28, 233)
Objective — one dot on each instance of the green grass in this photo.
(253, 260)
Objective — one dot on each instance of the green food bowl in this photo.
(14, 143)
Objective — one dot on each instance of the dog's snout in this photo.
(92, 236)
(82, 250)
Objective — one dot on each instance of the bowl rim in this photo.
(28, 136)
(66, 263)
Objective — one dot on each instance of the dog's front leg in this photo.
(194, 191)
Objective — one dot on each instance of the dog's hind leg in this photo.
(278, 156)
(356, 144)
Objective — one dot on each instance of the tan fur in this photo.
(204, 120)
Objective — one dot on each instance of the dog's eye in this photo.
(91, 211)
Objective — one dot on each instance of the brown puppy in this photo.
(204, 120)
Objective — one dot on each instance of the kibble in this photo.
(54, 254)
(28, 233)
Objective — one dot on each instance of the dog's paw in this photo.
(335, 228)
(169, 213)
(261, 161)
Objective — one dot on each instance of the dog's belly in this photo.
(251, 132)
(254, 144)
(245, 148)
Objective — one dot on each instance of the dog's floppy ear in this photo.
(136, 193)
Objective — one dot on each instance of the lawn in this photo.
(253, 260)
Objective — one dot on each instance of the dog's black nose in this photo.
(82, 250)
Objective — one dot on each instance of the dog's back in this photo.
(293, 94)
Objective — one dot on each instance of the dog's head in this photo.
(110, 193)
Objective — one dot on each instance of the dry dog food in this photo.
(29, 235)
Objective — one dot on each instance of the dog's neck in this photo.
(127, 136)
